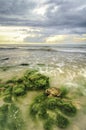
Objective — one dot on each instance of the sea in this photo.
(64, 64)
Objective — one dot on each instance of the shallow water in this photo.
(66, 66)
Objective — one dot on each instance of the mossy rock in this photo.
(10, 81)
(7, 90)
(51, 103)
(4, 108)
(42, 113)
(14, 118)
(68, 109)
(38, 108)
(10, 117)
(34, 109)
(48, 124)
(64, 92)
(3, 115)
(61, 121)
(45, 106)
(19, 90)
(7, 99)
(40, 98)
(36, 81)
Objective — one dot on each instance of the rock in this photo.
(53, 92)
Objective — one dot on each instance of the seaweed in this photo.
(8, 99)
(68, 109)
(51, 103)
(34, 109)
(36, 82)
(7, 90)
(19, 90)
(64, 92)
(48, 124)
(43, 112)
(40, 98)
(44, 107)
(14, 120)
(10, 117)
(3, 115)
(62, 121)
(13, 80)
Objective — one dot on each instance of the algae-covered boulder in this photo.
(3, 116)
(19, 90)
(53, 103)
(7, 90)
(34, 109)
(40, 98)
(8, 99)
(62, 121)
(36, 81)
(11, 117)
(48, 124)
(31, 80)
(42, 114)
(14, 118)
(59, 109)
(68, 109)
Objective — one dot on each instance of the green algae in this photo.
(10, 117)
(36, 81)
(68, 109)
(43, 107)
(19, 90)
(48, 124)
(7, 99)
(62, 121)
(64, 92)
(15, 120)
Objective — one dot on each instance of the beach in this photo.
(64, 65)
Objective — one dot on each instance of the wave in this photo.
(8, 48)
(79, 49)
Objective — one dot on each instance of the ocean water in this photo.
(65, 65)
(54, 60)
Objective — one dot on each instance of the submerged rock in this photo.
(24, 64)
(7, 58)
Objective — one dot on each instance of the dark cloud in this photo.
(18, 7)
(68, 13)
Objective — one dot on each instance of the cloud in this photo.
(56, 39)
(80, 39)
(67, 38)
(53, 17)
(19, 7)
(16, 34)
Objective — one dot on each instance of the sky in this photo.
(42, 21)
